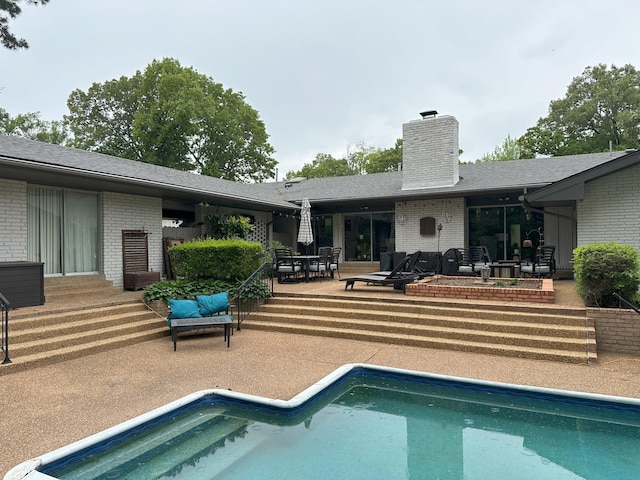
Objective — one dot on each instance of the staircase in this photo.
(82, 315)
(536, 332)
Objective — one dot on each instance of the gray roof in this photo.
(81, 168)
(475, 178)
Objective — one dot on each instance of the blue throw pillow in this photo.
(183, 309)
(212, 304)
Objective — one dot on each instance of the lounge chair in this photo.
(409, 267)
(398, 278)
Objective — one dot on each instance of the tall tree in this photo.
(9, 9)
(384, 160)
(176, 117)
(324, 165)
(601, 107)
(30, 125)
(509, 150)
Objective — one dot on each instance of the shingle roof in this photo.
(33, 154)
(474, 179)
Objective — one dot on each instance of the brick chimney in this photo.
(430, 152)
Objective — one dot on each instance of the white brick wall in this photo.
(13, 219)
(408, 215)
(610, 211)
(430, 153)
(129, 212)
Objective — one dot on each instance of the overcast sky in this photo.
(326, 75)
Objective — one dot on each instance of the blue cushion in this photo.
(183, 309)
(212, 304)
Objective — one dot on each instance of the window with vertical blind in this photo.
(62, 230)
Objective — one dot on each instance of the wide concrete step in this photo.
(544, 332)
(386, 312)
(391, 322)
(43, 339)
(544, 352)
(32, 360)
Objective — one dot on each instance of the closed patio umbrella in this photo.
(305, 233)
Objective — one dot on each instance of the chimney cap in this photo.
(429, 113)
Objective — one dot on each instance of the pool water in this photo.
(373, 424)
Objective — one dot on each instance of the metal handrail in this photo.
(626, 302)
(5, 305)
(264, 274)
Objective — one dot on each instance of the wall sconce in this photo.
(402, 220)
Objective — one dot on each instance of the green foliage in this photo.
(173, 116)
(601, 106)
(602, 269)
(385, 160)
(31, 126)
(359, 161)
(230, 260)
(509, 150)
(226, 225)
(183, 289)
(9, 9)
(177, 289)
(323, 166)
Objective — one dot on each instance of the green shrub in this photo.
(190, 288)
(229, 260)
(602, 269)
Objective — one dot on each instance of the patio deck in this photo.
(45, 408)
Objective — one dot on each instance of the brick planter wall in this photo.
(617, 329)
(426, 288)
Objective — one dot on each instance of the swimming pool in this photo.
(365, 421)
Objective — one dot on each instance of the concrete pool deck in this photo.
(48, 407)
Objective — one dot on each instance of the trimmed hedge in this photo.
(602, 269)
(230, 260)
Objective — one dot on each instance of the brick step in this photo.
(510, 350)
(395, 322)
(345, 309)
(25, 362)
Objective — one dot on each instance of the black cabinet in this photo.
(22, 283)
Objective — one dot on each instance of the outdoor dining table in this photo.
(307, 263)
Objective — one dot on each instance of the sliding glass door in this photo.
(367, 235)
(63, 230)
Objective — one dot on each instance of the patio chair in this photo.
(398, 277)
(544, 263)
(334, 265)
(321, 266)
(472, 260)
(409, 267)
(288, 268)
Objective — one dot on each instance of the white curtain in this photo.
(63, 230)
(80, 232)
(44, 228)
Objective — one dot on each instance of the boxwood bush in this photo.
(230, 260)
(602, 269)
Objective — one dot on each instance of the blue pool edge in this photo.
(27, 469)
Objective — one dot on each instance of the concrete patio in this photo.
(48, 407)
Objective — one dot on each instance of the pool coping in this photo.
(27, 469)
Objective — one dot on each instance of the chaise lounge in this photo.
(398, 277)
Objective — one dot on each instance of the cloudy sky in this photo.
(326, 75)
